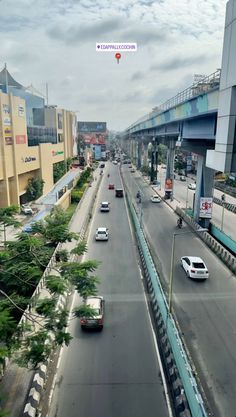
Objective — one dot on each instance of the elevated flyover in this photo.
(200, 119)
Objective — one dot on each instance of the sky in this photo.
(54, 42)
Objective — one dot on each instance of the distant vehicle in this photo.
(125, 162)
(182, 178)
(97, 318)
(132, 170)
(102, 233)
(102, 165)
(26, 209)
(115, 162)
(155, 198)
(194, 267)
(163, 166)
(104, 206)
(192, 186)
(119, 192)
(155, 182)
(111, 187)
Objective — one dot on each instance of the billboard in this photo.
(205, 207)
(168, 184)
(97, 152)
(92, 127)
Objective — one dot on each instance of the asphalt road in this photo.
(229, 218)
(113, 373)
(206, 311)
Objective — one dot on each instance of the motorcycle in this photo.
(180, 223)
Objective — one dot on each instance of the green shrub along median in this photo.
(81, 185)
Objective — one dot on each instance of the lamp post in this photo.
(222, 216)
(172, 264)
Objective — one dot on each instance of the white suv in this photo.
(26, 209)
(102, 233)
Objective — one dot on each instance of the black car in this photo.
(119, 192)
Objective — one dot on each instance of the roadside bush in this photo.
(76, 195)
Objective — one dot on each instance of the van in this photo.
(119, 192)
(97, 319)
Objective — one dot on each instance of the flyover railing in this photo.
(206, 84)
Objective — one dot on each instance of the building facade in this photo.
(25, 150)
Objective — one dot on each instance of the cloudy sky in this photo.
(53, 41)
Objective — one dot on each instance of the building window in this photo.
(60, 138)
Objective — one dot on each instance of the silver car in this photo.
(102, 233)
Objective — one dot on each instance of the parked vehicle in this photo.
(97, 319)
(111, 187)
(26, 209)
(182, 178)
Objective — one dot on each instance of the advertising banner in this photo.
(92, 127)
(20, 139)
(97, 152)
(205, 207)
(21, 111)
(168, 184)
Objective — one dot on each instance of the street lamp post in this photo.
(187, 197)
(222, 216)
(170, 295)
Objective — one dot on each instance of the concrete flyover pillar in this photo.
(139, 143)
(169, 182)
(223, 158)
(204, 188)
(144, 154)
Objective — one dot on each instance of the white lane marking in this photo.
(168, 402)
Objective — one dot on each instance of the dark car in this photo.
(119, 192)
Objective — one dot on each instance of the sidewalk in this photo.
(16, 382)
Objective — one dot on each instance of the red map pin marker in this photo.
(118, 56)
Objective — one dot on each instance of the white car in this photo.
(194, 267)
(26, 209)
(115, 162)
(102, 233)
(104, 206)
(192, 186)
(155, 198)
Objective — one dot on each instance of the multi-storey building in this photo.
(33, 137)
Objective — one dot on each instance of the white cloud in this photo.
(54, 41)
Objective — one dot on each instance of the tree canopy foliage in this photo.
(22, 263)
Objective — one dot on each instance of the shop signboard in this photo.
(8, 136)
(21, 111)
(20, 139)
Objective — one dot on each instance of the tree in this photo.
(21, 266)
(7, 218)
(34, 188)
(55, 228)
